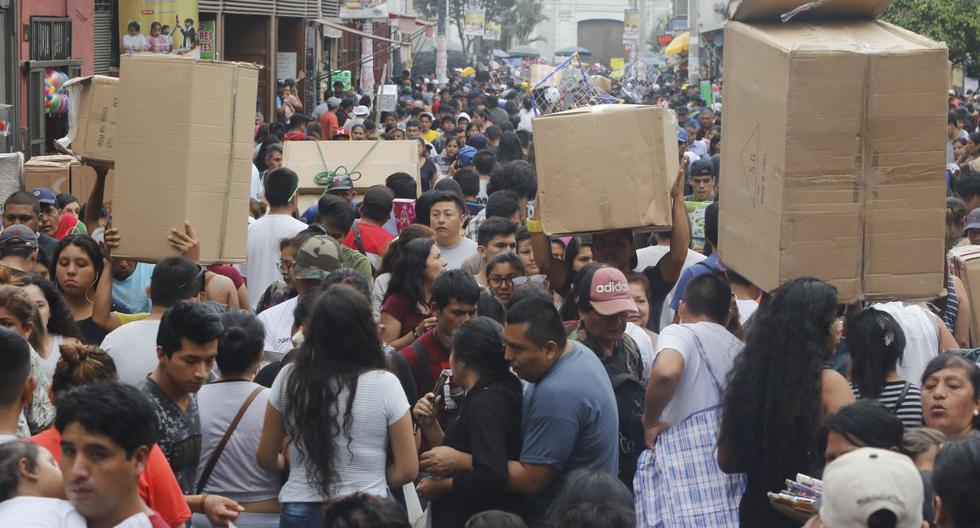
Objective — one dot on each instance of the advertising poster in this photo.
(631, 25)
(492, 30)
(473, 22)
(360, 9)
(205, 40)
(158, 26)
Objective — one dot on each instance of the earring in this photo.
(976, 412)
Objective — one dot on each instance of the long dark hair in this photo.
(61, 321)
(864, 423)
(876, 343)
(341, 343)
(771, 409)
(410, 233)
(509, 148)
(408, 276)
(89, 246)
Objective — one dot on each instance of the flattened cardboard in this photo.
(799, 10)
(92, 119)
(374, 160)
(184, 153)
(833, 157)
(605, 167)
(966, 266)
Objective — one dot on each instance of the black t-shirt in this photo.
(659, 288)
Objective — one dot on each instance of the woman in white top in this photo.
(55, 317)
(526, 114)
(233, 472)
(340, 409)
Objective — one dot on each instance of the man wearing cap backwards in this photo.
(315, 259)
(341, 134)
(872, 487)
(18, 249)
(328, 120)
(689, 374)
(702, 181)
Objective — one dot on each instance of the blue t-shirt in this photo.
(570, 422)
(132, 291)
(709, 264)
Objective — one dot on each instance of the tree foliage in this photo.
(517, 18)
(955, 22)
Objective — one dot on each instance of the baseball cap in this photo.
(466, 155)
(18, 235)
(869, 480)
(317, 257)
(379, 195)
(333, 102)
(44, 195)
(341, 132)
(610, 292)
(702, 167)
(361, 111)
(972, 220)
(340, 182)
(681, 135)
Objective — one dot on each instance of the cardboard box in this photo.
(82, 179)
(52, 172)
(92, 119)
(834, 151)
(373, 160)
(184, 153)
(389, 98)
(605, 167)
(966, 266)
(11, 174)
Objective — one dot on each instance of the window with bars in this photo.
(50, 38)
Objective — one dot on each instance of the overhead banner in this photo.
(360, 9)
(492, 30)
(158, 26)
(631, 25)
(473, 22)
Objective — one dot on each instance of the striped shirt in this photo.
(909, 411)
(952, 305)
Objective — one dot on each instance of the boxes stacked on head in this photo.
(834, 130)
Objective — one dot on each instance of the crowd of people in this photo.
(468, 369)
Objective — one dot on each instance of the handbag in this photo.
(213, 461)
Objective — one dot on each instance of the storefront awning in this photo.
(336, 25)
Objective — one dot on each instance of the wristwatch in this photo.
(534, 226)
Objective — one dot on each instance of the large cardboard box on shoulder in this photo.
(605, 167)
(367, 162)
(966, 266)
(184, 153)
(62, 173)
(835, 136)
(92, 119)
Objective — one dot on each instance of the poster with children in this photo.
(158, 26)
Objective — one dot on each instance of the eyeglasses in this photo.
(499, 281)
(285, 265)
(197, 278)
(534, 280)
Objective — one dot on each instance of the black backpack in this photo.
(630, 395)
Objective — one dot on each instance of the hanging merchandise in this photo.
(55, 95)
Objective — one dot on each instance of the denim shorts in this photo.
(300, 515)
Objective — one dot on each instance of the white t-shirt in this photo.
(746, 307)
(49, 363)
(257, 191)
(236, 475)
(645, 344)
(921, 337)
(278, 323)
(650, 256)
(261, 266)
(696, 390)
(360, 463)
(455, 256)
(39, 512)
(378, 294)
(133, 346)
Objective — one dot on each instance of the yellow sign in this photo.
(617, 63)
(473, 22)
(158, 26)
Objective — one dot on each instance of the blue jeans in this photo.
(300, 515)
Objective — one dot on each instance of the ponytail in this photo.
(876, 344)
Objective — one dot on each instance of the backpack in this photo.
(630, 394)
